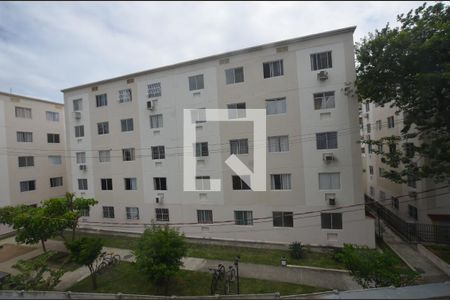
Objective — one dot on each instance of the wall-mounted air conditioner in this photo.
(330, 199)
(322, 75)
(83, 167)
(76, 115)
(150, 105)
(328, 157)
(159, 199)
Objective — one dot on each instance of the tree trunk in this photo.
(43, 246)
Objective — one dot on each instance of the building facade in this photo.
(32, 147)
(125, 144)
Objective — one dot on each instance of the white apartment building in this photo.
(420, 201)
(32, 146)
(125, 143)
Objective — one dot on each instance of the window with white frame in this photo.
(278, 143)
(125, 95)
(276, 106)
(23, 112)
(243, 217)
(84, 212)
(26, 161)
(154, 90)
(132, 213)
(156, 121)
(378, 125)
(324, 100)
(326, 140)
(234, 75)
(280, 181)
(52, 138)
(130, 183)
(24, 137)
(56, 181)
(202, 183)
(204, 216)
(160, 183)
(77, 104)
(331, 220)
(371, 170)
(127, 125)
(162, 214)
(273, 68)
(411, 181)
(106, 184)
(104, 156)
(201, 149)
(283, 219)
(108, 212)
(79, 131)
(390, 121)
(198, 115)
(28, 185)
(81, 157)
(367, 104)
(196, 82)
(236, 110)
(239, 146)
(82, 184)
(103, 128)
(368, 127)
(321, 61)
(52, 116)
(128, 154)
(329, 181)
(101, 100)
(238, 183)
(158, 152)
(54, 159)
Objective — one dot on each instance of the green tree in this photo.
(159, 252)
(410, 66)
(85, 251)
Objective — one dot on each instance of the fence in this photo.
(412, 232)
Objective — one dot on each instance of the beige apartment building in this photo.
(32, 146)
(125, 145)
(420, 201)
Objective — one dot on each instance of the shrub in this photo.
(296, 250)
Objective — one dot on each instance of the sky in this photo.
(49, 46)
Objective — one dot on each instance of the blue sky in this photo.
(46, 46)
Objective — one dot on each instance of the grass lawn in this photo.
(125, 278)
(442, 251)
(62, 260)
(228, 253)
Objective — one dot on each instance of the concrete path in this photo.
(415, 260)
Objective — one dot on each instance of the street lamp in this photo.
(236, 265)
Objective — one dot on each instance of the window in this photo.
(204, 216)
(84, 212)
(103, 128)
(154, 90)
(26, 161)
(236, 110)
(82, 184)
(130, 184)
(382, 196)
(331, 220)
(321, 61)
(276, 106)
(392, 148)
(29, 185)
(128, 154)
(202, 183)
(106, 184)
(367, 106)
(273, 68)
(52, 116)
(369, 148)
(23, 112)
(196, 82)
(201, 149)
(369, 127)
(411, 181)
(199, 115)
(104, 155)
(56, 181)
(283, 219)
(324, 100)
(101, 100)
(81, 157)
(125, 95)
(243, 217)
(53, 138)
(162, 214)
(412, 211)
(54, 159)
(79, 131)
(156, 121)
(372, 191)
(280, 181)
(378, 125)
(409, 149)
(326, 140)
(127, 125)
(380, 172)
(160, 183)
(395, 203)
(371, 170)
(158, 152)
(329, 181)
(278, 143)
(77, 104)
(108, 212)
(132, 213)
(238, 183)
(24, 137)
(234, 75)
(239, 146)
(391, 123)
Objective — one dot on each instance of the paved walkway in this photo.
(429, 272)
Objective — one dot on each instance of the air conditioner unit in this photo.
(332, 201)
(327, 157)
(83, 167)
(159, 199)
(150, 105)
(322, 75)
(76, 115)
